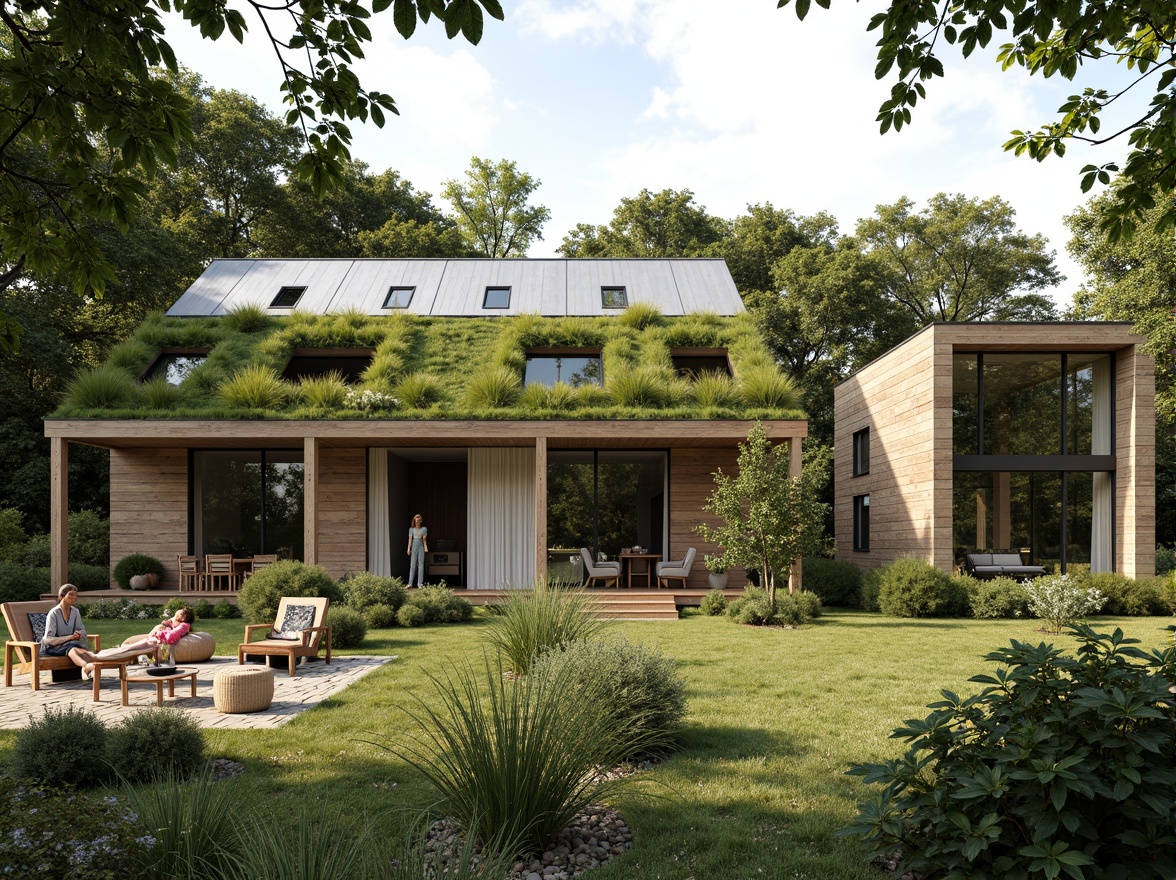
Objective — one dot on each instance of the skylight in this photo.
(287, 297)
(399, 297)
(614, 298)
(497, 298)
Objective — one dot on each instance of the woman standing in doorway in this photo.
(418, 546)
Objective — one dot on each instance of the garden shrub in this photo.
(871, 587)
(1126, 597)
(202, 609)
(18, 583)
(836, 583)
(348, 628)
(84, 577)
(137, 563)
(364, 590)
(713, 603)
(911, 587)
(13, 536)
(1059, 600)
(89, 538)
(48, 832)
(1165, 559)
(1061, 765)
(640, 685)
(226, 610)
(260, 594)
(380, 616)
(996, 599)
(528, 622)
(751, 608)
(63, 747)
(439, 605)
(410, 615)
(797, 609)
(157, 743)
(119, 609)
(37, 552)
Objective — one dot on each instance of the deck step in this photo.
(627, 607)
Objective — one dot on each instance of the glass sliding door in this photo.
(247, 502)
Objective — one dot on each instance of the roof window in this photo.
(287, 297)
(573, 366)
(398, 297)
(349, 363)
(174, 366)
(692, 363)
(497, 298)
(614, 298)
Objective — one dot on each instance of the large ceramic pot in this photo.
(144, 581)
(717, 581)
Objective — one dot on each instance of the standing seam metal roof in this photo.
(456, 288)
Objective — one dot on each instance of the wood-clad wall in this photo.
(149, 506)
(342, 517)
(896, 398)
(691, 483)
(1135, 461)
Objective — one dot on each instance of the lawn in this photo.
(758, 786)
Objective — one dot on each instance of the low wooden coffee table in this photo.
(159, 680)
(120, 665)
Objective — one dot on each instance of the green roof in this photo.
(436, 368)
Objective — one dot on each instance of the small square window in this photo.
(614, 298)
(861, 522)
(399, 297)
(497, 298)
(287, 297)
(861, 452)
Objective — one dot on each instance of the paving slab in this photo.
(314, 682)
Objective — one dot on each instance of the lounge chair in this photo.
(676, 570)
(609, 573)
(299, 631)
(25, 643)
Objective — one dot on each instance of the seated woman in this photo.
(169, 632)
(65, 634)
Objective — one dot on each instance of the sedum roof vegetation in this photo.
(435, 368)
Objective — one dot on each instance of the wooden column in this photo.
(795, 573)
(310, 513)
(541, 510)
(58, 512)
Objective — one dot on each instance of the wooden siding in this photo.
(895, 397)
(149, 506)
(342, 511)
(691, 483)
(1135, 460)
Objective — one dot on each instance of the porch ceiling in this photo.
(147, 433)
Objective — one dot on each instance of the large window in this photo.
(604, 500)
(1033, 439)
(247, 502)
(574, 368)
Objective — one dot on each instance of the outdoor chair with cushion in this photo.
(985, 566)
(676, 570)
(299, 631)
(26, 625)
(605, 572)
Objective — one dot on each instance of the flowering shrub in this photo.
(119, 609)
(49, 833)
(1060, 601)
(370, 401)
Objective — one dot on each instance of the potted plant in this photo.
(717, 566)
(138, 571)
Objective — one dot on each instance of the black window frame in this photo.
(286, 291)
(496, 288)
(861, 523)
(394, 289)
(606, 289)
(861, 452)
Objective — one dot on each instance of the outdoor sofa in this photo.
(985, 566)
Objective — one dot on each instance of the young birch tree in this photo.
(769, 519)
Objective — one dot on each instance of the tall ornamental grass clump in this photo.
(103, 387)
(492, 388)
(193, 827)
(1059, 600)
(514, 755)
(317, 848)
(640, 685)
(1061, 767)
(254, 387)
(529, 622)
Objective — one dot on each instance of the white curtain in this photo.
(379, 545)
(501, 518)
(1102, 553)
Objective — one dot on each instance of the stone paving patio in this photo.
(313, 684)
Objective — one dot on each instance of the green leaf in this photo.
(404, 16)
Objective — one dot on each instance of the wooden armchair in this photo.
(191, 577)
(218, 569)
(299, 631)
(26, 649)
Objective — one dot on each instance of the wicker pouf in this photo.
(195, 647)
(243, 689)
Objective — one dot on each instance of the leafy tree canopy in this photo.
(87, 114)
(1053, 38)
(492, 210)
(665, 224)
(960, 259)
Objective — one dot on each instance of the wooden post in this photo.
(58, 512)
(795, 573)
(541, 510)
(310, 479)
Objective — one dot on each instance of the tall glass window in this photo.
(1022, 404)
(965, 402)
(1088, 405)
(248, 501)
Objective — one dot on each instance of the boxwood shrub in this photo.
(64, 747)
(835, 583)
(348, 628)
(911, 587)
(259, 596)
(160, 742)
(1001, 597)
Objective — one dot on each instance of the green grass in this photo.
(757, 787)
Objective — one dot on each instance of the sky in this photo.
(733, 99)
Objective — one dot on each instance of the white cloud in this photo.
(591, 20)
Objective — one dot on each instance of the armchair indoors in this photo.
(676, 570)
(600, 571)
